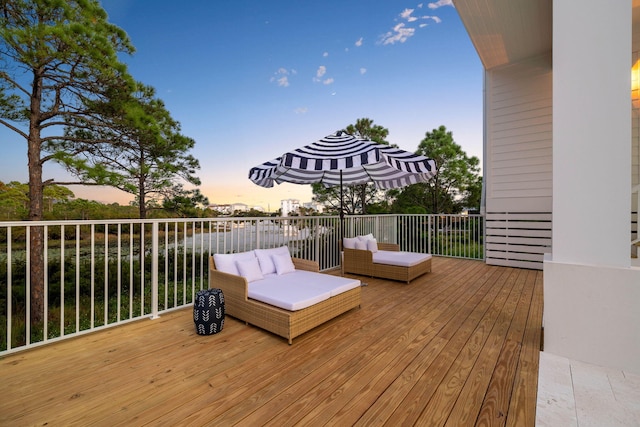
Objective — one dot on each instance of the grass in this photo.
(81, 316)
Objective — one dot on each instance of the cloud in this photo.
(400, 33)
(440, 3)
(363, 70)
(319, 77)
(325, 54)
(359, 42)
(301, 110)
(406, 14)
(281, 77)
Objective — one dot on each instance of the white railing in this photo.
(99, 274)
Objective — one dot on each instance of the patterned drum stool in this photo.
(208, 311)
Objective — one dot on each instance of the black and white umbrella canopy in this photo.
(348, 160)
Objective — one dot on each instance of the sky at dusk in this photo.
(251, 79)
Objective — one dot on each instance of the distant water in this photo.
(241, 239)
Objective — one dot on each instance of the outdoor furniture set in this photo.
(364, 256)
(284, 295)
(289, 296)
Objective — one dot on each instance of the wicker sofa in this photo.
(361, 262)
(285, 323)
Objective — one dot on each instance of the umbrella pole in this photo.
(341, 209)
(340, 248)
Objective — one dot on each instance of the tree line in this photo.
(456, 186)
(60, 203)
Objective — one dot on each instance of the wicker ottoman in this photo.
(208, 311)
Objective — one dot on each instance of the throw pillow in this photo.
(366, 237)
(372, 245)
(227, 262)
(349, 242)
(361, 244)
(250, 269)
(283, 264)
(265, 258)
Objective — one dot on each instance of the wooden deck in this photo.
(456, 347)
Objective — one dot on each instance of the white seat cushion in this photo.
(298, 290)
(402, 259)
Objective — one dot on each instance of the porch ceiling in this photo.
(507, 31)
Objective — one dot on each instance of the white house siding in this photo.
(518, 163)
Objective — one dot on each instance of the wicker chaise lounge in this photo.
(360, 261)
(285, 323)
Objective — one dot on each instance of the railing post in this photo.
(154, 270)
(27, 317)
(258, 232)
(429, 233)
(9, 288)
(316, 227)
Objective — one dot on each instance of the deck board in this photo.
(458, 346)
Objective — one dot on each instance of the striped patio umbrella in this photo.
(343, 159)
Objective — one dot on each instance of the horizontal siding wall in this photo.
(517, 239)
(518, 163)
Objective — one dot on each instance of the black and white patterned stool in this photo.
(208, 311)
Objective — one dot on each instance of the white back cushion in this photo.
(366, 237)
(349, 242)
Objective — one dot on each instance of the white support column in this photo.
(591, 294)
(591, 132)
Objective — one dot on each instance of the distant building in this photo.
(289, 206)
(222, 208)
(239, 207)
(315, 206)
(229, 209)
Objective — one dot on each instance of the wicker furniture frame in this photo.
(360, 261)
(285, 323)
